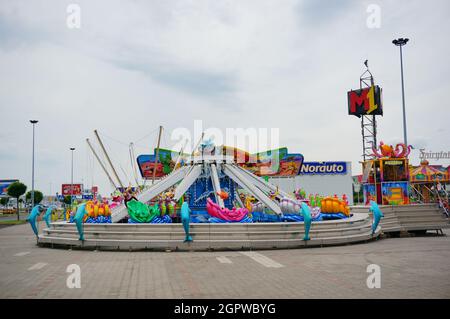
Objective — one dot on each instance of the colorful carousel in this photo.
(214, 202)
(426, 180)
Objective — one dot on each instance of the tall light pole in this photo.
(71, 180)
(33, 122)
(400, 42)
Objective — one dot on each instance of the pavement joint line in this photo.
(263, 260)
(37, 266)
(224, 260)
(23, 253)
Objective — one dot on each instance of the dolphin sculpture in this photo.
(377, 214)
(48, 214)
(306, 212)
(185, 218)
(78, 218)
(35, 212)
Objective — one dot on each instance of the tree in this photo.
(67, 200)
(38, 197)
(16, 190)
(4, 201)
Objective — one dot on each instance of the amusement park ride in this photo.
(385, 177)
(388, 178)
(213, 174)
(221, 187)
(426, 183)
(214, 184)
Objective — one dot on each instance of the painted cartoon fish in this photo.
(224, 195)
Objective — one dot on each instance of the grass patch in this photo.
(13, 222)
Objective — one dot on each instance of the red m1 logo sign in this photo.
(366, 101)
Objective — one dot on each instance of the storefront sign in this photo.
(323, 168)
(393, 162)
(365, 101)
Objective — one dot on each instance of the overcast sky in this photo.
(135, 65)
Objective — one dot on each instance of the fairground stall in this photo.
(386, 178)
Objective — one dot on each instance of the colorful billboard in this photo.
(165, 165)
(4, 184)
(365, 101)
(76, 190)
(276, 162)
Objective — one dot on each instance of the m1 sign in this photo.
(77, 189)
(365, 101)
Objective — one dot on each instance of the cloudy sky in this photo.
(135, 65)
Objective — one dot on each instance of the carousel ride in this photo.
(219, 190)
(210, 201)
(426, 184)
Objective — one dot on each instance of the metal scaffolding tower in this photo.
(368, 122)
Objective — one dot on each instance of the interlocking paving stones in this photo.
(415, 267)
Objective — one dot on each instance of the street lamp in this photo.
(71, 180)
(33, 122)
(400, 42)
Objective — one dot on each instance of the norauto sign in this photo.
(366, 101)
(322, 168)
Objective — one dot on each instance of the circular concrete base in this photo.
(226, 236)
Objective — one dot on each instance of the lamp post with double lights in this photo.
(400, 42)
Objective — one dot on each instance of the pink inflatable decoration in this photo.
(233, 215)
(113, 204)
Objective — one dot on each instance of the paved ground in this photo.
(410, 268)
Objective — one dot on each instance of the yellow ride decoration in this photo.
(330, 205)
(107, 210)
(95, 210)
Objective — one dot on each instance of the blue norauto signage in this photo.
(323, 168)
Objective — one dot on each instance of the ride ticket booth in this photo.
(386, 181)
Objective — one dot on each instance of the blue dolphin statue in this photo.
(185, 219)
(78, 218)
(377, 214)
(35, 212)
(306, 212)
(48, 214)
